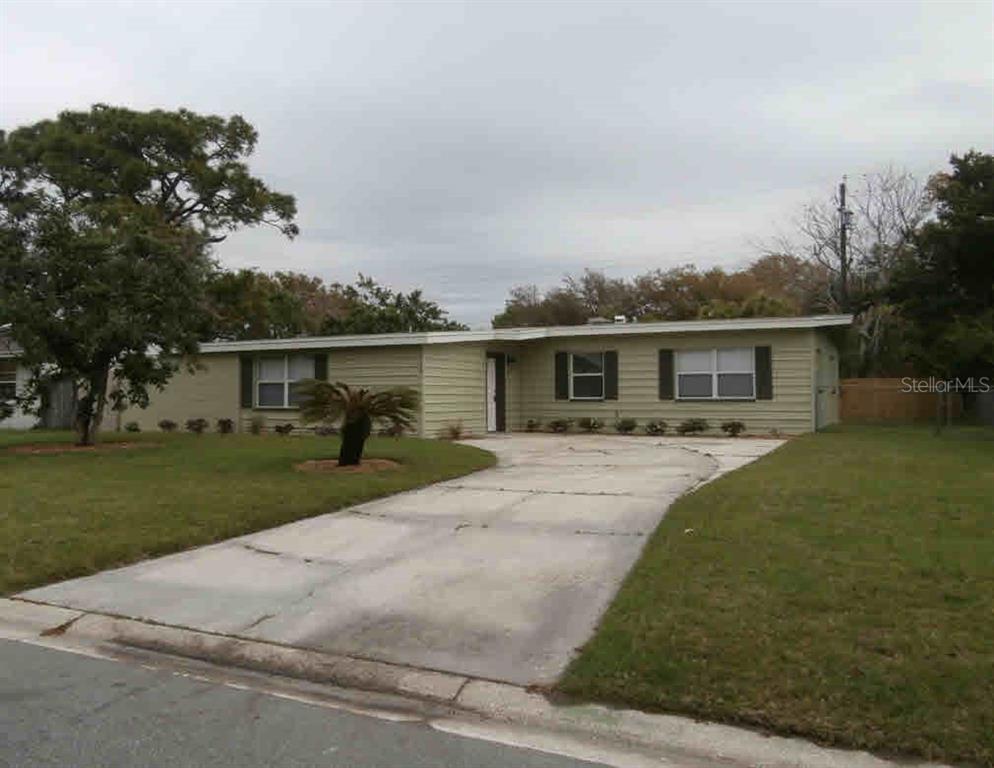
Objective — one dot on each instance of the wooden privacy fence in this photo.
(888, 400)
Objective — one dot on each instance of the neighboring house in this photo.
(59, 408)
(13, 378)
(778, 375)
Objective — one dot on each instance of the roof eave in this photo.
(526, 334)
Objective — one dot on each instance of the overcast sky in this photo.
(466, 148)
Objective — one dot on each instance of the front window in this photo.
(278, 377)
(8, 380)
(586, 376)
(716, 374)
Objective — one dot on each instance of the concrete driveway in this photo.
(501, 574)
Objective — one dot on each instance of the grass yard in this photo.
(71, 514)
(841, 588)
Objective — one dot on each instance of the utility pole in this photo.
(843, 248)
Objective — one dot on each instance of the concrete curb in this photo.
(673, 740)
(35, 619)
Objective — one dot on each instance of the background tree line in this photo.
(774, 285)
(917, 274)
(248, 304)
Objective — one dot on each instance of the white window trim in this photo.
(588, 375)
(286, 381)
(714, 372)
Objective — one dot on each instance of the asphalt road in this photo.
(63, 709)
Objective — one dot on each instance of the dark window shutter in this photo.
(562, 376)
(246, 379)
(321, 367)
(611, 375)
(764, 373)
(666, 374)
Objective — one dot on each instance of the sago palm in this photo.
(356, 408)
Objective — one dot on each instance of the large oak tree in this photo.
(107, 218)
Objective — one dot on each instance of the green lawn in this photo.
(841, 588)
(72, 514)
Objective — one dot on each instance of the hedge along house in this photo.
(777, 375)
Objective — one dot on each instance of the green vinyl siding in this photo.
(451, 379)
(454, 388)
(790, 411)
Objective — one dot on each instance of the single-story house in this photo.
(777, 375)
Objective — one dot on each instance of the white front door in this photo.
(491, 394)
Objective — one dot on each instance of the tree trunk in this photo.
(354, 434)
(90, 408)
(938, 412)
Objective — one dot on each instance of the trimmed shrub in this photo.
(283, 429)
(225, 426)
(560, 425)
(196, 426)
(656, 427)
(532, 425)
(733, 428)
(454, 430)
(590, 424)
(257, 425)
(693, 426)
(168, 425)
(626, 426)
(132, 426)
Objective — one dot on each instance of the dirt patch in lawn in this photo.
(44, 448)
(330, 466)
